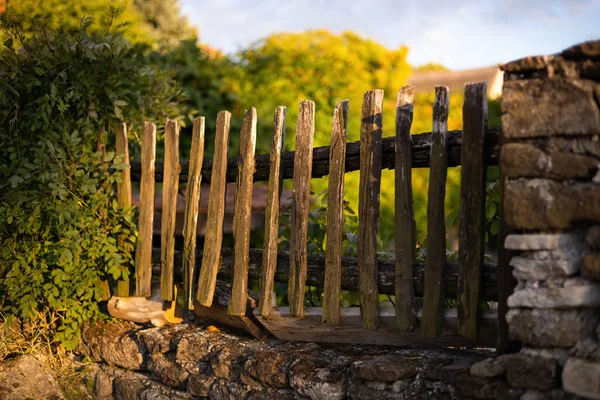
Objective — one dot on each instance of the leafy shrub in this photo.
(59, 219)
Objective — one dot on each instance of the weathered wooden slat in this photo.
(316, 272)
(101, 148)
(405, 238)
(169, 209)
(368, 206)
(335, 216)
(421, 148)
(143, 254)
(472, 208)
(433, 299)
(192, 204)
(305, 131)
(310, 329)
(269, 260)
(123, 196)
(216, 211)
(242, 214)
(218, 312)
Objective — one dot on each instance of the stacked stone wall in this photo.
(550, 158)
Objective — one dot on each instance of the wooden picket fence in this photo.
(473, 148)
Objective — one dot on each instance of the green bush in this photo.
(59, 219)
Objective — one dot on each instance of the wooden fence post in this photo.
(143, 254)
(269, 260)
(242, 215)
(192, 204)
(169, 210)
(101, 148)
(216, 212)
(472, 208)
(305, 131)
(434, 296)
(123, 196)
(405, 237)
(335, 216)
(368, 206)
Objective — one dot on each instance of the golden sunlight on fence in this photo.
(470, 281)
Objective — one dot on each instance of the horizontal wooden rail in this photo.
(310, 329)
(316, 272)
(421, 147)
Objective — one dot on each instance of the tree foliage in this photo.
(59, 219)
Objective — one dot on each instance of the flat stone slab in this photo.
(520, 160)
(537, 270)
(582, 378)
(541, 241)
(542, 204)
(579, 295)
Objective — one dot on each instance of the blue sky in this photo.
(460, 34)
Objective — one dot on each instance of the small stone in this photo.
(103, 387)
(384, 369)
(540, 204)
(542, 241)
(591, 266)
(549, 327)
(318, 379)
(268, 367)
(579, 295)
(27, 378)
(549, 107)
(588, 349)
(531, 372)
(200, 384)
(558, 355)
(489, 368)
(168, 371)
(582, 378)
(593, 237)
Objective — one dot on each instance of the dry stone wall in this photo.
(550, 159)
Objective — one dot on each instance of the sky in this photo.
(459, 34)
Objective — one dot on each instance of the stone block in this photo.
(541, 204)
(200, 384)
(581, 294)
(589, 49)
(531, 63)
(519, 160)
(593, 237)
(488, 368)
(549, 327)
(549, 107)
(383, 369)
(537, 270)
(591, 266)
(526, 372)
(582, 378)
(588, 349)
(542, 241)
(318, 379)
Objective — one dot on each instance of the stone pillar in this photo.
(551, 162)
